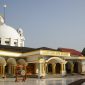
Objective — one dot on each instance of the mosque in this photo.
(38, 62)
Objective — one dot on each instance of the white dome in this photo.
(10, 36)
(8, 32)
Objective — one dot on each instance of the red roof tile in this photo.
(72, 51)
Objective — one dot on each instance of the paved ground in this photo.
(49, 81)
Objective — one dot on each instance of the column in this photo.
(46, 68)
(12, 42)
(64, 67)
(53, 68)
(80, 67)
(14, 70)
(63, 71)
(3, 41)
(9, 69)
(41, 70)
(37, 68)
(61, 68)
(3, 71)
(18, 42)
(72, 67)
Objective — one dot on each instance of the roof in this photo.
(73, 52)
(8, 32)
(46, 48)
(23, 49)
(16, 49)
(28, 49)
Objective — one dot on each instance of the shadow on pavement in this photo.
(78, 82)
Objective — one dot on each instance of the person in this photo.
(20, 72)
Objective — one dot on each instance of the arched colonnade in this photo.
(52, 65)
(56, 65)
(8, 67)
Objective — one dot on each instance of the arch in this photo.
(10, 67)
(77, 67)
(59, 60)
(2, 61)
(22, 62)
(31, 68)
(54, 64)
(58, 68)
(49, 66)
(2, 65)
(69, 67)
(11, 61)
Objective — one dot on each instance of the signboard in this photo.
(54, 53)
(23, 72)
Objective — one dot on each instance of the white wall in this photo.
(32, 58)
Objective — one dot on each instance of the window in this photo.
(15, 43)
(7, 42)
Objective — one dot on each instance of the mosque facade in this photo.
(38, 62)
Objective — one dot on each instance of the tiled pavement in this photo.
(48, 81)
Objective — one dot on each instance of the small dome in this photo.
(2, 61)
(11, 61)
(22, 62)
(8, 32)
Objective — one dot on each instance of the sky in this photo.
(48, 23)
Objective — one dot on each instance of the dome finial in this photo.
(4, 6)
(1, 20)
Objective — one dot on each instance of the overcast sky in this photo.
(48, 23)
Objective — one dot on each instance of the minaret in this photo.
(22, 38)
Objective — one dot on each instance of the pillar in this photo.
(53, 68)
(63, 71)
(72, 67)
(79, 67)
(41, 70)
(18, 42)
(14, 70)
(9, 69)
(3, 71)
(46, 68)
(3, 41)
(12, 42)
(36, 68)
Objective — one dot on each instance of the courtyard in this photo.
(48, 81)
